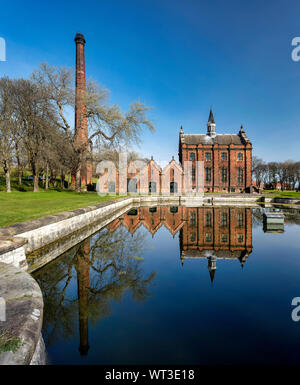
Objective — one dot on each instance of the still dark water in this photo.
(171, 285)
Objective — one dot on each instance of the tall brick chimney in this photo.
(81, 129)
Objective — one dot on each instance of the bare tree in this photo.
(273, 174)
(258, 170)
(292, 174)
(283, 174)
(7, 128)
(36, 118)
(107, 124)
(298, 175)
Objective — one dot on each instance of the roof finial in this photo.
(211, 116)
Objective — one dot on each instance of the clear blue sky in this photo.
(179, 57)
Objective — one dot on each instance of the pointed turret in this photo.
(181, 141)
(212, 267)
(211, 125)
(211, 117)
(212, 275)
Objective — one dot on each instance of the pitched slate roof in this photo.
(225, 139)
(219, 254)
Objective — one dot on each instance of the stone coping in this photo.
(11, 244)
(20, 332)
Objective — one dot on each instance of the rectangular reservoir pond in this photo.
(177, 285)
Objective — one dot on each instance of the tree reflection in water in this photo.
(104, 267)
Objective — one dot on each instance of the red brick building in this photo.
(212, 233)
(217, 232)
(227, 158)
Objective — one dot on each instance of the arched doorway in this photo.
(132, 185)
(173, 187)
(152, 187)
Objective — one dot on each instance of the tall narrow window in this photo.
(193, 219)
(208, 174)
(224, 156)
(208, 220)
(193, 173)
(240, 219)
(193, 237)
(240, 175)
(192, 156)
(208, 156)
(224, 238)
(240, 156)
(224, 174)
(208, 237)
(224, 220)
(240, 238)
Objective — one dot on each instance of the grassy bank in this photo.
(289, 194)
(272, 193)
(18, 207)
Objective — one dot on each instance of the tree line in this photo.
(35, 128)
(271, 175)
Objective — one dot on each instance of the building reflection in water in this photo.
(212, 233)
(216, 233)
(103, 266)
(103, 269)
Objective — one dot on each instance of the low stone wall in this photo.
(235, 200)
(286, 200)
(23, 239)
(12, 251)
(21, 318)
(280, 200)
(42, 232)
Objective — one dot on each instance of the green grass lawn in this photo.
(273, 193)
(18, 207)
(289, 194)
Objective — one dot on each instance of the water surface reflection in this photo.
(145, 290)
